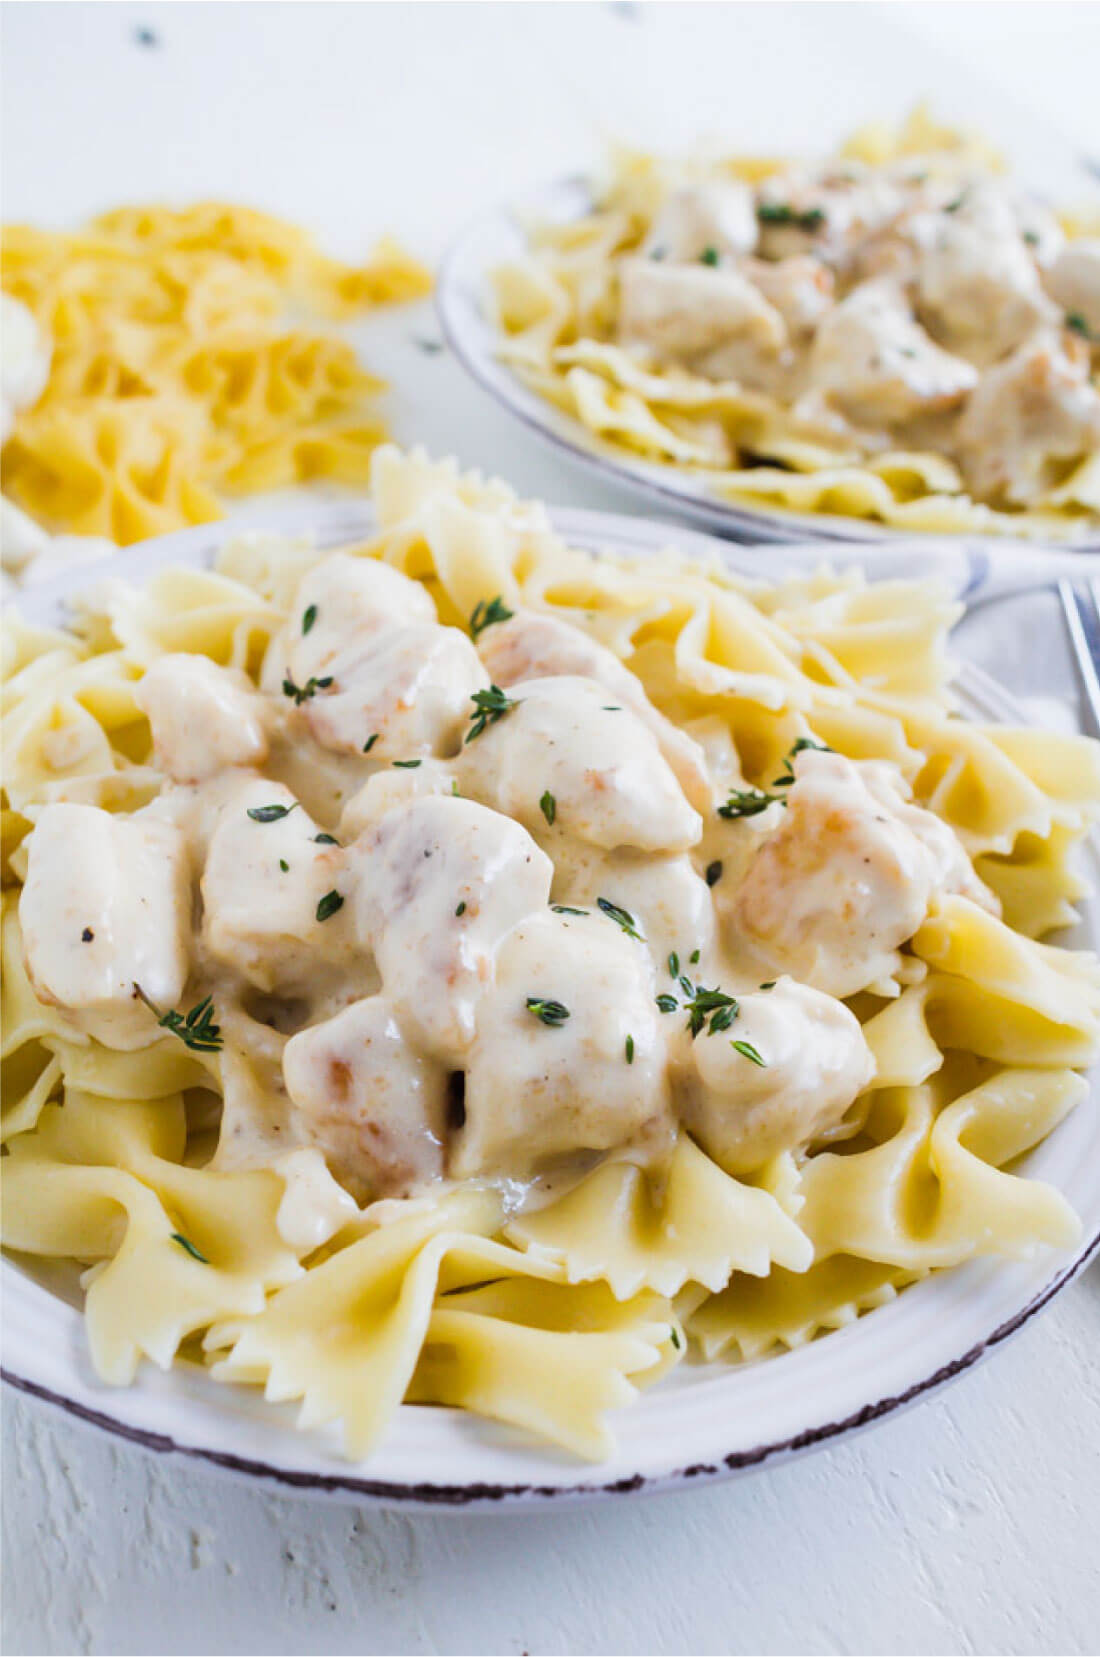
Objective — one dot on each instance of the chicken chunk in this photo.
(686, 313)
(387, 789)
(977, 283)
(407, 687)
(569, 1056)
(705, 219)
(826, 214)
(848, 875)
(340, 599)
(439, 882)
(1032, 417)
(203, 717)
(878, 366)
(276, 926)
(668, 902)
(1073, 281)
(106, 905)
(801, 290)
(530, 646)
(374, 1106)
(801, 1062)
(560, 739)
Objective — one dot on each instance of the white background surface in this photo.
(968, 1524)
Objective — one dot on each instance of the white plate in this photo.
(463, 301)
(703, 1422)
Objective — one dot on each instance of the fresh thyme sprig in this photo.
(490, 705)
(781, 212)
(1077, 323)
(189, 1247)
(621, 917)
(549, 807)
(748, 1051)
(748, 802)
(802, 745)
(309, 616)
(302, 693)
(270, 813)
(703, 1004)
(195, 1029)
(487, 615)
(551, 1013)
(329, 904)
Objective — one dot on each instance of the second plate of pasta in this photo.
(891, 339)
(639, 1194)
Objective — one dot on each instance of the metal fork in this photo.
(1081, 606)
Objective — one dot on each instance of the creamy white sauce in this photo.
(920, 305)
(501, 961)
(313, 1206)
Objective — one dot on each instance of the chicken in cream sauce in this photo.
(449, 908)
(896, 306)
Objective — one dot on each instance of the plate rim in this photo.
(334, 522)
(472, 350)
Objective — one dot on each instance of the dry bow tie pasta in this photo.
(172, 368)
(457, 969)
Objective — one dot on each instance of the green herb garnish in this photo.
(186, 1244)
(302, 693)
(781, 212)
(195, 1029)
(551, 1013)
(487, 615)
(406, 764)
(693, 957)
(284, 865)
(490, 705)
(674, 1336)
(329, 904)
(748, 802)
(703, 1004)
(709, 256)
(667, 1003)
(309, 617)
(270, 813)
(621, 917)
(564, 909)
(714, 872)
(370, 742)
(461, 910)
(770, 985)
(549, 807)
(1078, 324)
(674, 965)
(748, 1051)
(802, 745)
(325, 840)
(630, 1049)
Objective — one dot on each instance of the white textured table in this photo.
(968, 1524)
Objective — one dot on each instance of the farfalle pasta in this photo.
(172, 377)
(891, 333)
(563, 968)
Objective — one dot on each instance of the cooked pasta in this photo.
(176, 377)
(458, 970)
(892, 334)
